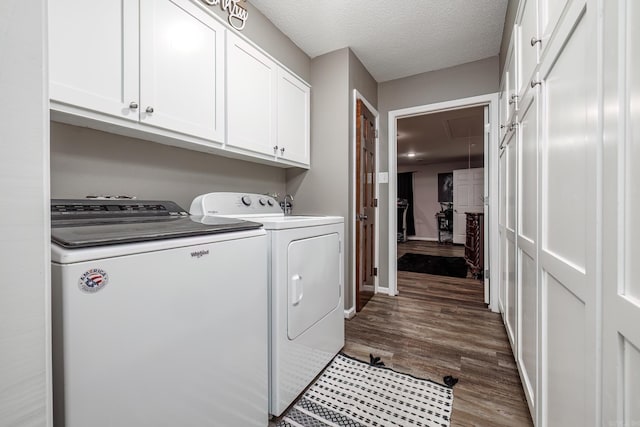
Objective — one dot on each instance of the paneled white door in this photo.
(511, 295)
(468, 196)
(621, 204)
(502, 229)
(568, 221)
(181, 69)
(527, 247)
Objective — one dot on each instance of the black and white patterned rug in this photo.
(353, 393)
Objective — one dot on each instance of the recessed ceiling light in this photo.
(411, 155)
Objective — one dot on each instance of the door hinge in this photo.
(339, 246)
(375, 271)
(375, 203)
(376, 133)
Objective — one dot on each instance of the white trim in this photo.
(348, 314)
(491, 169)
(352, 220)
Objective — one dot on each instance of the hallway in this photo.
(440, 326)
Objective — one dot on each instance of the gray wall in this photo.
(25, 366)
(361, 80)
(324, 188)
(266, 35)
(509, 20)
(327, 188)
(462, 81)
(86, 161)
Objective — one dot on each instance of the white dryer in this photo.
(306, 287)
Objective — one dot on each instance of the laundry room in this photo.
(204, 203)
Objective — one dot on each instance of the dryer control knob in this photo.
(246, 200)
(270, 202)
(262, 202)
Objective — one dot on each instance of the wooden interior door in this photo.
(365, 204)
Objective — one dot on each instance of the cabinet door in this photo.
(527, 51)
(512, 83)
(293, 118)
(181, 69)
(93, 55)
(251, 98)
(503, 107)
(550, 12)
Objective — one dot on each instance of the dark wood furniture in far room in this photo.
(474, 245)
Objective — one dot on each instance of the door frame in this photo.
(351, 311)
(491, 162)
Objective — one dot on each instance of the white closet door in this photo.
(511, 296)
(568, 224)
(621, 202)
(527, 248)
(502, 230)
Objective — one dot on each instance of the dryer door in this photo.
(313, 274)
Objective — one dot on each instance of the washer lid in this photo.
(88, 223)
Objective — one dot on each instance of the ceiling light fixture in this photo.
(411, 155)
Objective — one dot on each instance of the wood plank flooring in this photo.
(440, 326)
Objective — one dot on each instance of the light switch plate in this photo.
(383, 177)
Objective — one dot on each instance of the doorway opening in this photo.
(470, 152)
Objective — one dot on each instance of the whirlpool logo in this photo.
(199, 254)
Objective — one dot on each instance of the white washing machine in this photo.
(159, 318)
(306, 288)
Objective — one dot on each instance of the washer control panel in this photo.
(225, 203)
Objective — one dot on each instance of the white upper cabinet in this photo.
(528, 43)
(93, 60)
(154, 61)
(251, 98)
(293, 118)
(181, 76)
(550, 12)
(170, 71)
(511, 76)
(267, 106)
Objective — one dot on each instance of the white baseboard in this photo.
(348, 314)
(385, 290)
(423, 239)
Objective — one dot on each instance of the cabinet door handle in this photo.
(133, 105)
(282, 150)
(535, 83)
(149, 109)
(535, 41)
(275, 148)
(513, 99)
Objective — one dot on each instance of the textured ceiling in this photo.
(448, 136)
(393, 38)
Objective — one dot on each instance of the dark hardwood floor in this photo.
(440, 326)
